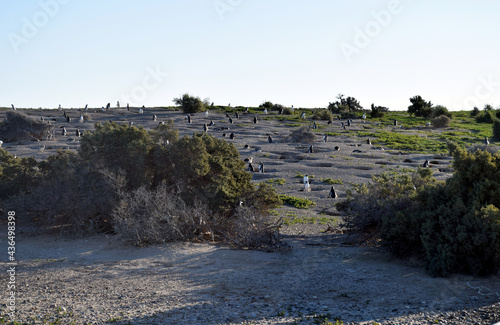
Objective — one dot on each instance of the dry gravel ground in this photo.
(102, 280)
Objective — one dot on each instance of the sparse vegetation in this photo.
(296, 202)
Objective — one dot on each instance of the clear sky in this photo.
(243, 52)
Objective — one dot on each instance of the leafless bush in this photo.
(87, 117)
(19, 126)
(302, 135)
(154, 216)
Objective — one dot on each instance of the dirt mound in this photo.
(19, 126)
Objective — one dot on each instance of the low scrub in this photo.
(296, 202)
(19, 126)
(302, 135)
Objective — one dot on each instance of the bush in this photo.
(296, 202)
(442, 121)
(378, 111)
(496, 130)
(474, 112)
(439, 110)
(302, 134)
(485, 117)
(19, 126)
(70, 196)
(287, 110)
(267, 105)
(190, 104)
(17, 175)
(453, 226)
(118, 148)
(322, 114)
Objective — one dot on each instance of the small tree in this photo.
(190, 104)
(439, 110)
(378, 111)
(419, 107)
(474, 112)
(267, 105)
(345, 105)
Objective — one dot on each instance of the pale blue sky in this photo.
(301, 53)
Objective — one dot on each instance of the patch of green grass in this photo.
(292, 125)
(277, 181)
(300, 175)
(404, 141)
(332, 181)
(296, 202)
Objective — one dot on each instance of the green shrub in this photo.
(453, 226)
(474, 112)
(322, 114)
(190, 104)
(16, 174)
(296, 202)
(440, 110)
(332, 181)
(119, 148)
(485, 117)
(496, 130)
(267, 104)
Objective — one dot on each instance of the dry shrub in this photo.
(147, 217)
(302, 135)
(442, 121)
(87, 117)
(19, 126)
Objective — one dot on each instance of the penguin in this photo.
(108, 106)
(325, 137)
(13, 107)
(265, 110)
(231, 136)
(154, 117)
(211, 123)
(305, 179)
(230, 121)
(307, 187)
(426, 163)
(348, 122)
(337, 148)
(269, 139)
(128, 107)
(205, 127)
(315, 126)
(78, 133)
(236, 115)
(130, 123)
(310, 150)
(206, 113)
(68, 119)
(250, 167)
(1, 143)
(303, 115)
(395, 122)
(81, 119)
(189, 119)
(64, 131)
(261, 167)
(118, 104)
(333, 194)
(86, 107)
(255, 119)
(486, 141)
(369, 142)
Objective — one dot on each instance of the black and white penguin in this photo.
(261, 167)
(333, 194)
